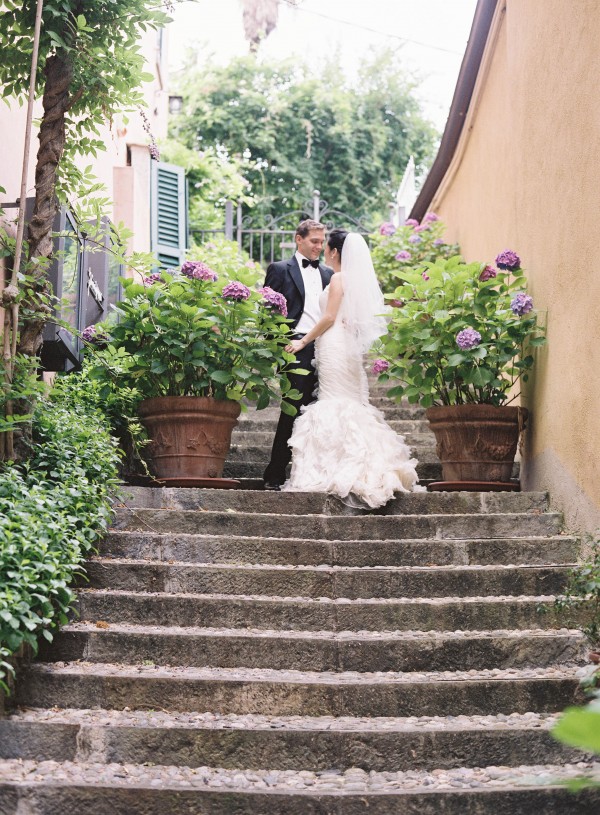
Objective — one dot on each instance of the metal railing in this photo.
(273, 237)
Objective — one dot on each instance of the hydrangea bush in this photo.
(203, 330)
(461, 333)
(398, 249)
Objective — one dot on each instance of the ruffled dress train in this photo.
(341, 444)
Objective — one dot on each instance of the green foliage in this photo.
(53, 509)
(179, 336)
(22, 389)
(438, 300)
(580, 603)
(225, 256)
(99, 43)
(213, 179)
(580, 727)
(295, 132)
(421, 242)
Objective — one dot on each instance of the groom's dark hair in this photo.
(336, 238)
(304, 227)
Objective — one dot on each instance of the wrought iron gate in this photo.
(273, 238)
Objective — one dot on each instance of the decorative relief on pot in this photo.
(219, 447)
(160, 442)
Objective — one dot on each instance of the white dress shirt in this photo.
(313, 287)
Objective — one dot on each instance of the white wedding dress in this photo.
(341, 444)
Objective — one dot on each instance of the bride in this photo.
(340, 443)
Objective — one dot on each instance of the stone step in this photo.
(366, 527)
(299, 693)
(324, 581)
(96, 789)
(252, 742)
(252, 423)
(319, 503)
(239, 454)
(253, 469)
(148, 545)
(263, 439)
(305, 614)
(315, 650)
(391, 410)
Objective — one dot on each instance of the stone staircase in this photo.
(251, 652)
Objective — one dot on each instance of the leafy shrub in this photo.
(53, 509)
(580, 603)
(395, 249)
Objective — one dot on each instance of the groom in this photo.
(301, 281)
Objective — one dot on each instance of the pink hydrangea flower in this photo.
(274, 299)
(197, 270)
(380, 366)
(487, 274)
(236, 291)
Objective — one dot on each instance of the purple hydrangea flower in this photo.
(430, 217)
(421, 228)
(275, 299)
(508, 260)
(91, 334)
(403, 255)
(196, 270)
(380, 366)
(236, 291)
(468, 338)
(438, 242)
(396, 303)
(522, 304)
(411, 222)
(415, 239)
(387, 228)
(425, 276)
(487, 274)
(151, 279)
(250, 264)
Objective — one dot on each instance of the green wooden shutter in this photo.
(168, 214)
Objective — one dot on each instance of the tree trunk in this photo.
(58, 72)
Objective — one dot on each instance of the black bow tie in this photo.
(313, 263)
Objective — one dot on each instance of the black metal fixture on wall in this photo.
(84, 276)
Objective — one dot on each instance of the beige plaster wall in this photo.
(526, 176)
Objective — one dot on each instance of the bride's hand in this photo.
(294, 346)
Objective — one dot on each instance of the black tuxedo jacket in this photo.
(285, 277)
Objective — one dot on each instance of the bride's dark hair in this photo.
(336, 238)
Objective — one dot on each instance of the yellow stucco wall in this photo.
(526, 176)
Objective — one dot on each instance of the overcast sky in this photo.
(430, 34)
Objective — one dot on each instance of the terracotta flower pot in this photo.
(477, 442)
(190, 435)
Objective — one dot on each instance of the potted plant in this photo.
(194, 346)
(460, 341)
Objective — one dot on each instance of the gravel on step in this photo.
(83, 668)
(351, 781)
(292, 634)
(221, 721)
